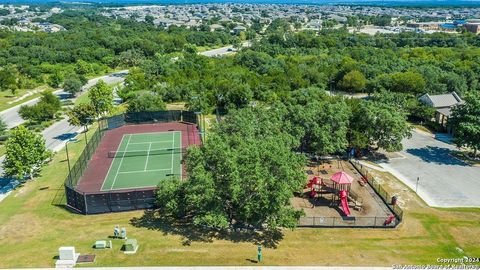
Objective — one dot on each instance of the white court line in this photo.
(151, 150)
(150, 142)
(121, 161)
(139, 134)
(148, 155)
(111, 165)
(181, 169)
(156, 170)
(173, 145)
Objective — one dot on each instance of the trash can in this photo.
(394, 200)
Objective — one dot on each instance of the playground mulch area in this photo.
(369, 208)
(138, 157)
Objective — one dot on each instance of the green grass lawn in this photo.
(208, 48)
(82, 99)
(32, 229)
(6, 97)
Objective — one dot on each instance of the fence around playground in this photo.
(116, 200)
(377, 187)
(360, 222)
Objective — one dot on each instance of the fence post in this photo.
(375, 222)
(86, 204)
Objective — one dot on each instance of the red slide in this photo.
(343, 198)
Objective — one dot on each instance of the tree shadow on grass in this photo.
(152, 220)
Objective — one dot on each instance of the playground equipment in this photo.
(344, 202)
(342, 182)
(315, 184)
(389, 220)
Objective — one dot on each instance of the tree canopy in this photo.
(25, 153)
(44, 110)
(101, 97)
(247, 161)
(465, 121)
(82, 114)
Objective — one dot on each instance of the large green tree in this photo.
(73, 84)
(465, 122)
(322, 125)
(377, 124)
(44, 110)
(244, 175)
(25, 153)
(405, 82)
(101, 97)
(9, 79)
(82, 115)
(353, 81)
(146, 102)
(3, 127)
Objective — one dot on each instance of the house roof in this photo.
(445, 111)
(440, 101)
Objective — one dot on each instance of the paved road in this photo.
(445, 181)
(224, 50)
(13, 119)
(57, 134)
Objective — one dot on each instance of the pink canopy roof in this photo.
(342, 178)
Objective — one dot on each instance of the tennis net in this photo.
(139, 153)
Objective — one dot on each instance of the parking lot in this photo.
(443, 180)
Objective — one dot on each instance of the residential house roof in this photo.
(442, 101)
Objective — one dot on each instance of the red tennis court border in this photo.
(97, 169)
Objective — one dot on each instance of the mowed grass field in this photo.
(32, 229)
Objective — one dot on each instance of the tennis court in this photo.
(144, 159)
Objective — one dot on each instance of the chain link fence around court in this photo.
(122, 200)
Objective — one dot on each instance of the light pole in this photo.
(204, 128)
(198, 125)
(416, 186)
(68, 162)
(85, 133)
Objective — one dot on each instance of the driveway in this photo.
(444, 181)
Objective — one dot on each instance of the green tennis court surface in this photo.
(144, 159)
